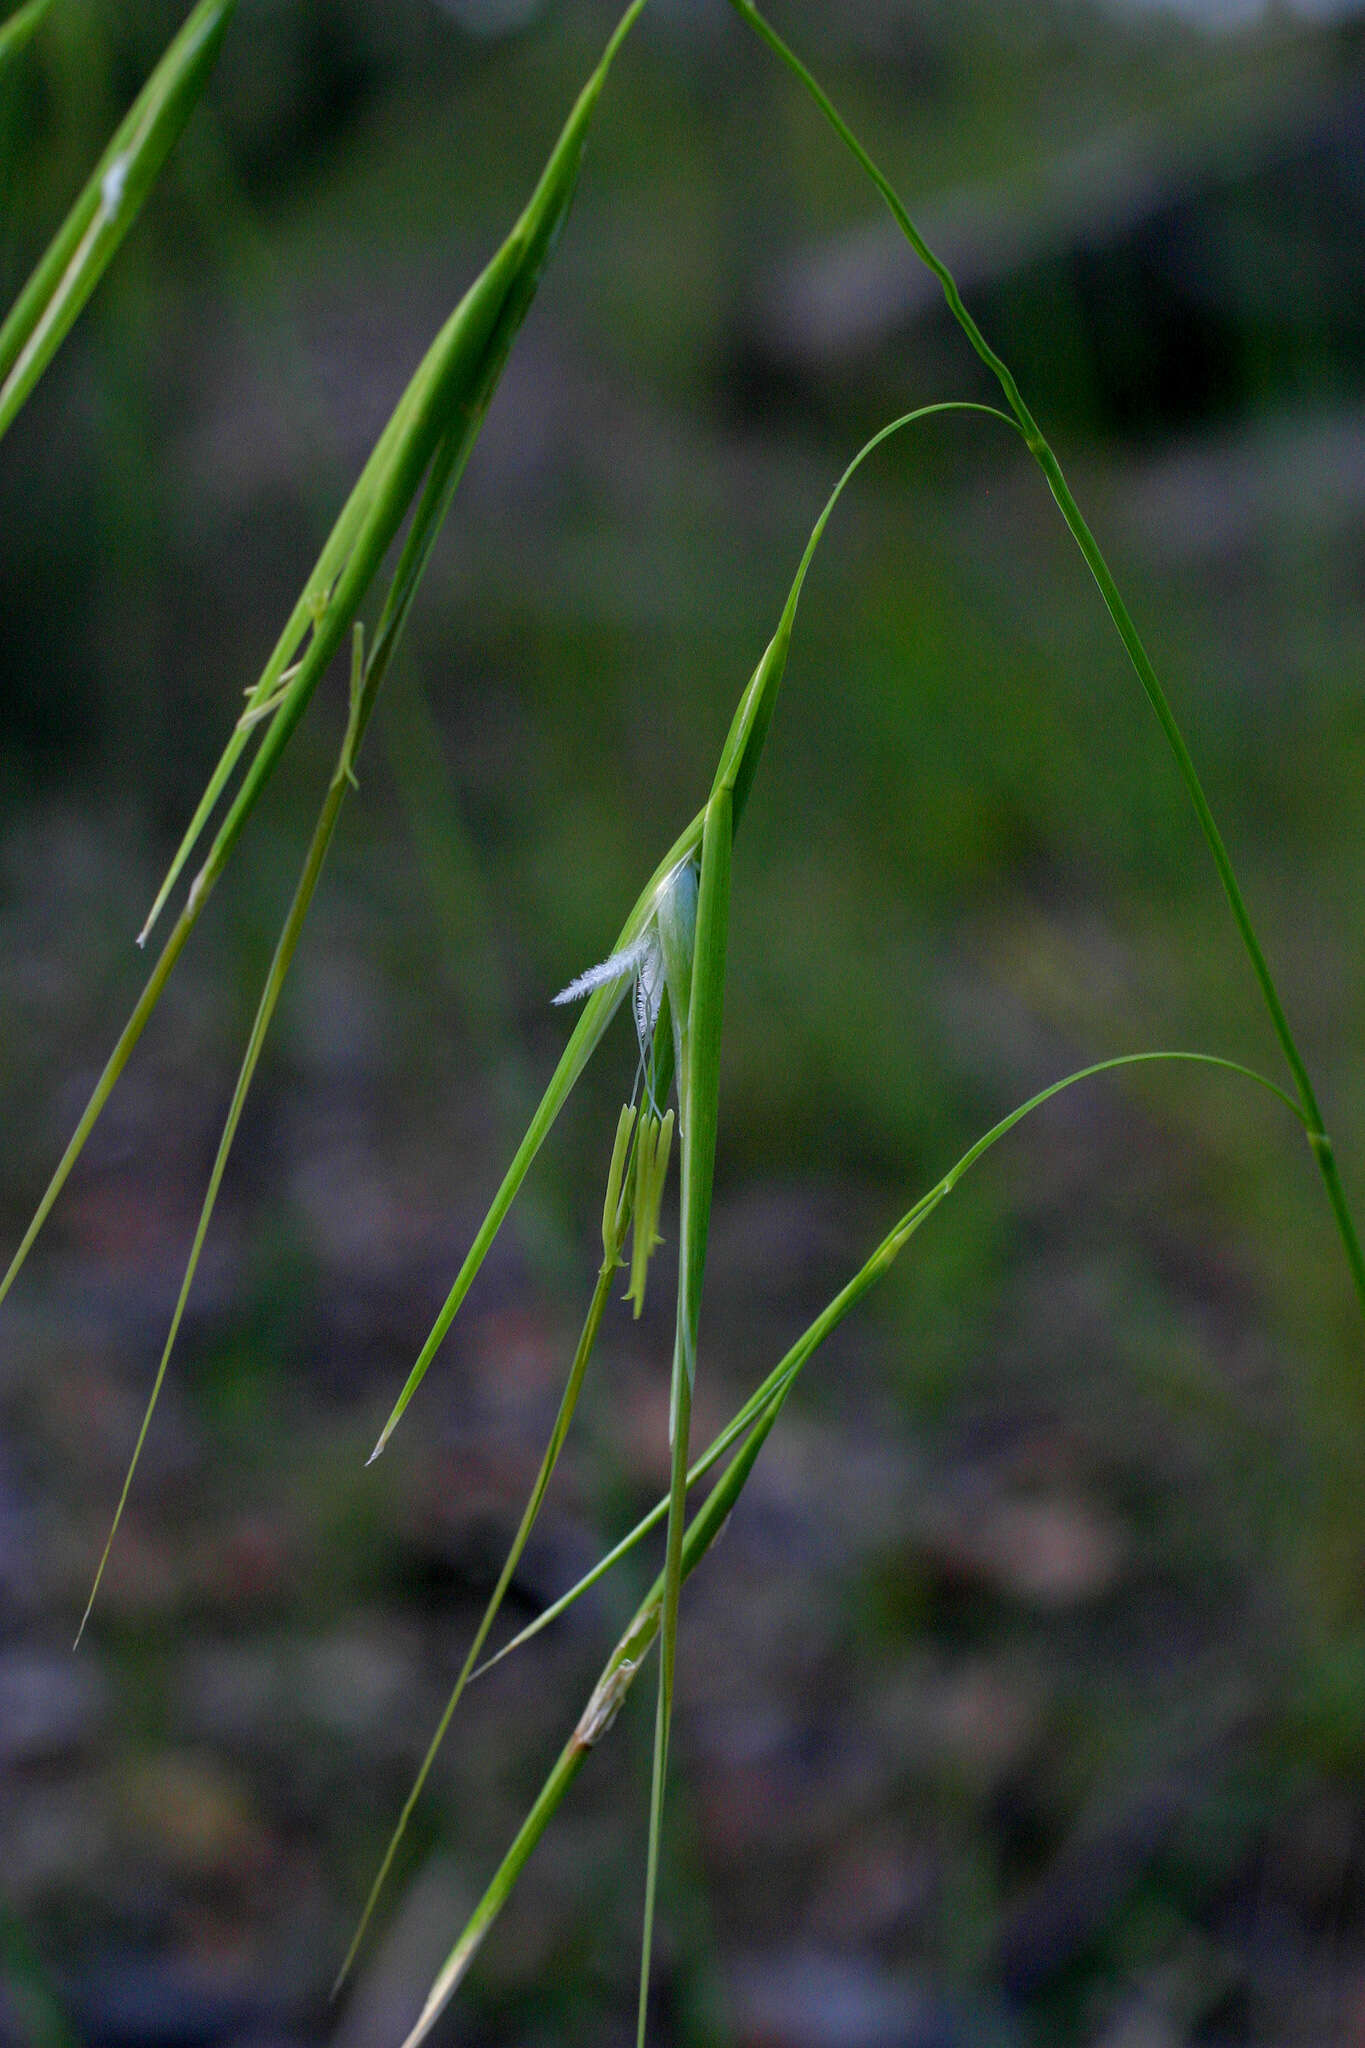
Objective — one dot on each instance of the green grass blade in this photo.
(587, 1033)
(366, 680)
(699, 1102)
(699, 1087)
(758, 1416)
(109, 203)
(753, 715)
(336, 588)
(270, 995)
(568, 1403)
(791, 1364)
(430, 435)
(604, 1703)
(155, 985)
(446, 399)
(15, 32)
(1126, 629)
(285, 948)
(738, 764)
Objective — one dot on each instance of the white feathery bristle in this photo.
(614, 968)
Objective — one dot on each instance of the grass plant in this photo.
(414, 469)
(670, 953)
(749, 1428)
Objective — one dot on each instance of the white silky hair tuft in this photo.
(614, 968)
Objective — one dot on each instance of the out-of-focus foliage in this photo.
(1028, 1689)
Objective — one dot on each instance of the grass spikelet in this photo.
(682, 915)
(420, 455)
(606, 987)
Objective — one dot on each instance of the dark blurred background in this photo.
(1025, 1700)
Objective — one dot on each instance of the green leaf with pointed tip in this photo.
(367, 677)
(109, 203)
(431, 433)
(448, 396)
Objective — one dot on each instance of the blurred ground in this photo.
(1023, 1701)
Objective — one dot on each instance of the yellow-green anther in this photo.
(639, 1250)
(651, 1171)
(613, 1222)
(661, 1152)
(647, 1227)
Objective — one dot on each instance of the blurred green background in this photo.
(1025, 1700)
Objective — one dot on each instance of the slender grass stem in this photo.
(367, 677)
(1136, 651)
(739, 763)
(670, 1593)
(777, 1379)
(285, 948)
(757, 1417)
(420, 457)
(568, 1402)
(698, 1115)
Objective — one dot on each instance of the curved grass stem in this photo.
(592, 1322)
(778, 1379)
(753, 1422)
(366, 680)
(1125, 627)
